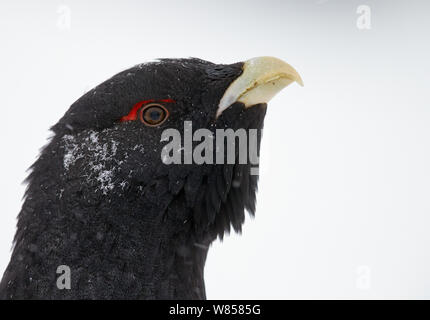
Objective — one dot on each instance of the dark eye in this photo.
(153, 114)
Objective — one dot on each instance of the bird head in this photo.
(111, 141)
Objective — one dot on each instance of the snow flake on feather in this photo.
(71, 154)
(101, 162)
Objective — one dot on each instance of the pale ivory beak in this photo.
(261, 80)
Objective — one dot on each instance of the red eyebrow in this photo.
(132, 115)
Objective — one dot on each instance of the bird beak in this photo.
(262, 78)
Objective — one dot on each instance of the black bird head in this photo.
(105, 199)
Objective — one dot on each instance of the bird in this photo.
(105, 217)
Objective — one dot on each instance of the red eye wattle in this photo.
(132, 115)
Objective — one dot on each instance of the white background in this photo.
(343, 208)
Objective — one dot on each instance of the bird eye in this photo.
(153, 114)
